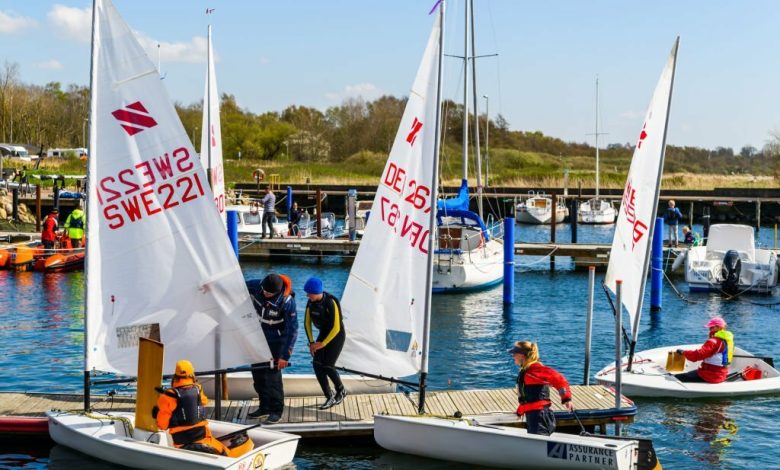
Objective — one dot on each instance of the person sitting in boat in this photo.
(533, 389)
(180, 410)
(715, 355)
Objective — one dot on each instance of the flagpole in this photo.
(635, 326)
(432, 220)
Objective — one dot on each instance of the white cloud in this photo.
(52, 64)
(10, 24)
(631, 115)
(72, 23)
(191, 52)
(367, 91)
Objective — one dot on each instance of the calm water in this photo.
(41, 338)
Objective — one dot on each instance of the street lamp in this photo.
(487, 140)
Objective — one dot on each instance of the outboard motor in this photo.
(730, 271)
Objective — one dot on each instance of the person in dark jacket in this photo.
(672, 217)
(324, 311)
(295, 220)
(715, 355)
(274, 303)
(533, 389)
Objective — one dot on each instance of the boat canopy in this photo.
(460, 202)
(467, 218)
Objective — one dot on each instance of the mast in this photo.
(597, 140)
(651, 229)
(476, 114)
(466, 95)
(432, 219)
(91, 166)
(207, 104)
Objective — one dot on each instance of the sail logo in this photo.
(629, 209)
(556, 450)
(134, 118)
(642, 136)
(416, 127)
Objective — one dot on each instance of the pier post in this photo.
(573, 219)
(758, 215)
(690, 216)
(657, 258)
(589, 323)
(705, 221)
(289, 203)
(618, 353)
(15, 204)
(509, 260)
(318, 217)
(37, 207)
(552, 227)
(352, 213)
(56, 195)
(232, 230)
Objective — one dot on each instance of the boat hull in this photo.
(241, 385)
(649, 377)
(464, 271)
(108, 440)
(459, 440)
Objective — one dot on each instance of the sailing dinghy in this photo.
(158, 263)
(387, 300)
(644, 373)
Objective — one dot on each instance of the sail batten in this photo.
(384, 300)
(630, 252)
(158, 262)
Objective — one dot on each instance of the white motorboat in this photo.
(176, 277)
(240, 385)
(648, 376)
(113, 438)
(250, 223)
(597, 210)
(731, 263)
(467, 441)
(537, 208)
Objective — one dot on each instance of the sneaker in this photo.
(273, 418)
(331, 401)
(258, 413)
(340, 396)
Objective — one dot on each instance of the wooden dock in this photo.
(355, 416)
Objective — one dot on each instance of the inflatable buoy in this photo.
(258, 175)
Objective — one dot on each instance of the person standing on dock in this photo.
(274, 303)
(269, 208)
(324, 311)
(672, 217)
(49, 233)
(533, 389)
(715, 355)
(295, 220)
(75, 225)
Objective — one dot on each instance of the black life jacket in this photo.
(322, 315)
(76, 222)
(531, 393)
(188, 408)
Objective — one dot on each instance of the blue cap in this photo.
(313, 286)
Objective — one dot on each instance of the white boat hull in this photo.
(459, 270)
(538, 216)
(499, 446)
(595, 212)
(649, 378)
(240, 385)
(108, 440)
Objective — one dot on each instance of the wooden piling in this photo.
(552, 227)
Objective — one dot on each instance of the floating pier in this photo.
(353, 417)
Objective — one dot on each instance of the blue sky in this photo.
(271, 54)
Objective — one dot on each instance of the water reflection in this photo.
(716, 429)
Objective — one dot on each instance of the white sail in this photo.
(157, 255)
(628, 259)
(211, 137)
(384, 299)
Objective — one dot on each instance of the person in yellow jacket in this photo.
(75, 225)
(180, 410)
(324, 311)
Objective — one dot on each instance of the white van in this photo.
(63, 153)
(15, 151)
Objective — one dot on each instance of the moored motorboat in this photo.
(537, 208)
(468, 441)
(596, 211)
(113, 438)
(648, 376)
(731, 263)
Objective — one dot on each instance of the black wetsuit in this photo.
(325, 314)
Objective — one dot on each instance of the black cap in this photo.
(517, 350)
(272, 283)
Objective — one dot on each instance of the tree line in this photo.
(355, 131)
